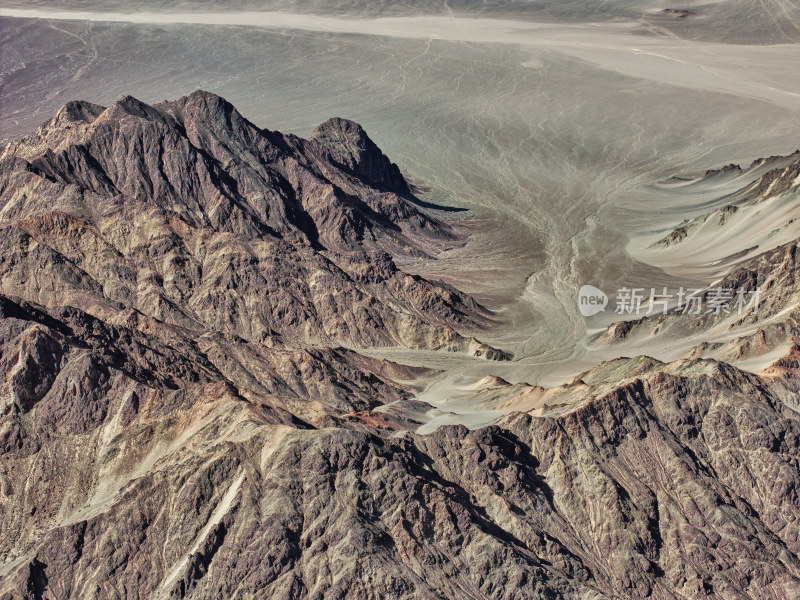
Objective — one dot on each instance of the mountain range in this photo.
(191, 404)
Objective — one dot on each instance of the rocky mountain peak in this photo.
(346, 144)
(210, 110)
(130, 106)
(75, 112)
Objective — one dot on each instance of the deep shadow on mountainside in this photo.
(186, 413)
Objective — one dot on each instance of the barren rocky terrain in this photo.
(325, 343)
(186, 413)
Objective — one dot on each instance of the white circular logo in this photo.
(591, 300)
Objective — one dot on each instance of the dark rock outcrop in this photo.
(346, 145)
